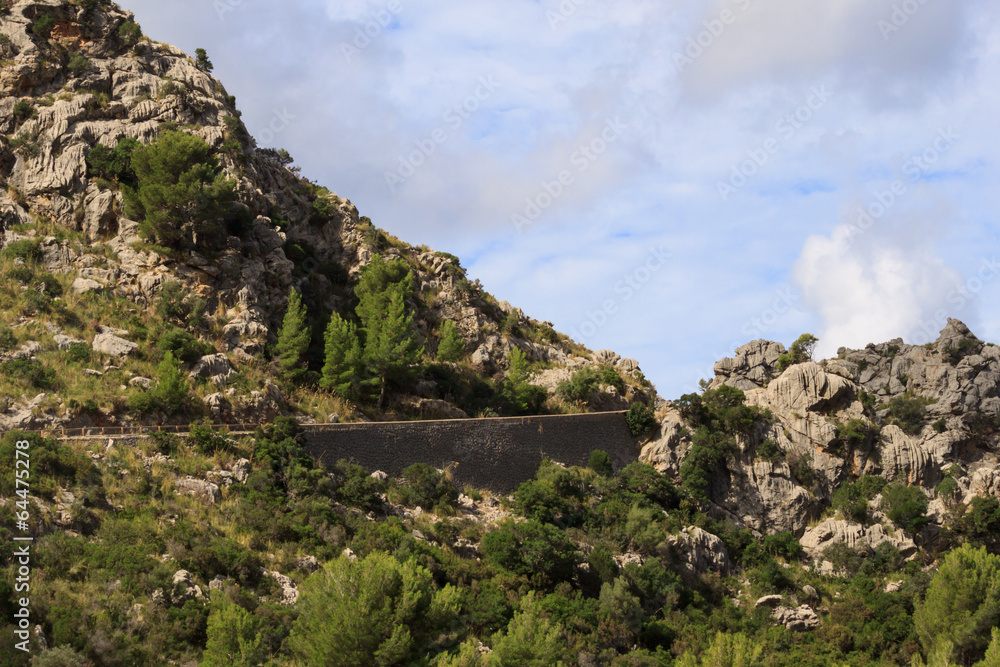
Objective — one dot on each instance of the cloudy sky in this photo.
(666, 179)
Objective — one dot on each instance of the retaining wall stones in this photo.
(494, 454)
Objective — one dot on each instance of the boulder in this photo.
(753, 365)
(289, 593)
(198, 488)
(854, 535)
(215, 367)
(700, 551)
(799, 620)
(241, 470)
(85, 285)
(141, 382)
(112, 345)
(66, 342)
(184, 587)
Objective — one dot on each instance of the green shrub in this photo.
(783, 544)
(954, 353)
(538, 552)
(600, 463)
(979, 524)
(78, 353)
(8, 340)
(356, 488)
(113, 164)
(770, 451)
(183, 345)
(30, 372)
(801, 351)
(53, 465)
(42, 28)
(205, 439)
(23, 110)
(27, 249)
(424, 486)
(451, 346)
(582, 385)
(906, 506)
(129, 33)
(202, 62)
(940, 426)
(641, 419)
(852, 499)
(78, 63)
(908, 413)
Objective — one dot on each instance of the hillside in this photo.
(195, 248)
(159, 268)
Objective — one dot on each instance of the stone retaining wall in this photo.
(494, 454)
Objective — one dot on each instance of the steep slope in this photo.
(78, 76)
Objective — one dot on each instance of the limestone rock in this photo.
(289, 593)
(854, 535)
(752, 366)
(112, 345)
(198, 488)
(700, 551)
(606, 357)
(141, 382)
(66, 342)
(241, 470)
(799, 620)
(184, 587)
(667, 451)
(215, 367)
(85, 285)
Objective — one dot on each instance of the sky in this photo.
(666, 179)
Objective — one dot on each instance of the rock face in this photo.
(207, 492)
(801, 619)
(215, 367)
(700, 551)
(951, 385)
(854, 535)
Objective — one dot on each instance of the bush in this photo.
(641, 419)
(852, 499)
(78, 353)
(600, 463)
(129, 33)
(801, 351)
(78, 63)
(538, 552)
(8, 340)
(183, 345)
(356, 488)
(206, 439)
(908, 413)
(906, 506)
(424, 486)
(30, 372)
(27, 249)
(53, 465)
(42, 28)
(23, 110)
(113, 164)
(582, 385)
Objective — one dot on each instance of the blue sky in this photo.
(668, 180)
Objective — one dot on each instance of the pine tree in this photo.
(171, 385)
(202, 62)
(293, 338)
(233, 640)
(344, 365)
(390, 342)
(452, 346)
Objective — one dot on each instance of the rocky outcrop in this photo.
(112, 345)
(753, 366)
(700, 551)
(214, 367)
(204, 491)
(854, 535)
(799, 619)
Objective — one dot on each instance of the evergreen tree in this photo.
(233, 640)
(344, 367)
(201, 60)
(390, 347)
(452, 346)
(293, 338)
(171, 384)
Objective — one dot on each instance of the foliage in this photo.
(26, 249)
(201, 60)
(42, 27)
(582, 385)
(519, 395)
(53, 465)
(171, 390)
(641, 419)
(908, 413)
(343, 370)
(8, 340)
(979, 522)
(451, 346)
(390, 348)
(962, 604)
(78, 63)
(600, 463)
(852, 499)
(540, 553)
(424, 486)
(129, 33)
(954, 353)
(367, 612)
(801, 351)
(206, 439)
(174, 304)
(906, 506)
(726, 651)
(181, 193)
(233, 638)
(29, 372)
(293, 339)
(183, 345)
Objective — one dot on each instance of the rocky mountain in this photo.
(80, 88)
(922, 416)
